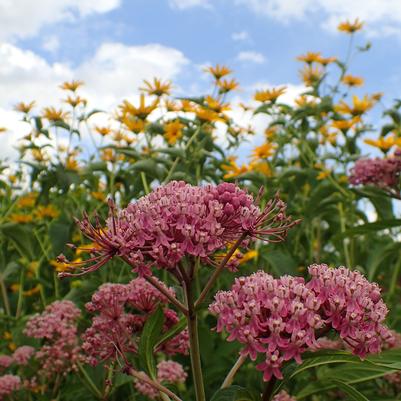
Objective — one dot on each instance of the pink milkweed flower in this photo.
(282, 318)
(122, 310)
(283, 396)
(57, 326)
(8, 384)
(176, 220)
(23, 354)
(5, 361)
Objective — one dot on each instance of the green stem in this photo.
(145, 183)
(6, 303)
(343, 227)
(231, 374)
(394, 278)
(89, 381)
(194, 344)
(20, 294)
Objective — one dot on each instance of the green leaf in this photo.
(21, 236)
(372, 227)
(148, 166)
(149, 338)
(235, 393)
(351, 391)
(172, 332)
(59, 233)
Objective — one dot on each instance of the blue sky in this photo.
(114, 44)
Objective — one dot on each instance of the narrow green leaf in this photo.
(235, 393)
(172, 332)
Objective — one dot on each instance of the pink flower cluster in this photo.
(5, 361)
(23, 354)
(8, 384)
(168, 372)
(282, 318)
(383, 173)
(179, 219)
(122, 312)
(57, 326)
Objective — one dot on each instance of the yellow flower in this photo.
(103, 131)
(263, 151)
(215, 105)
(232, 169)
(351, 80)
(27, 200)
(46, 211)
(53, 115)
(173, 131)
(75, 101)
(15, 287)
(118, 136)
(71, 86)
(218, 71)
(108, 155)
(33, 291)
(3, 129)
(33, 266)
(305, 101)
(24, 107)
(12, 346)
(72, 164)
(244, 107)
(310, 57)
(142, 111)
(171, 105)
(135, 125)
(157, 87)
(207, 115)
(350, 27)
(269, 95)
(100, 196)
(7, 336)
(311, 75)
(58, 266)
(323, 174)
(187, 106)
(326, 60)
(377, 96)
(247, 256)
(384, 143)
(359, 106)
(39, 155)
(345, 125)
(261, 167)
(12, 178)
(21, 218)
(270, 132)
(227, 85)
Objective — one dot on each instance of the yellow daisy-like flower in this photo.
(71, 86)
(359, 106)
(72, 164)
(261, 167)
(21, 218)
(218, 71)
(173, 131)
(157, 87)
(3, 129)
(207, 115)
(135, 125)
(33, 291)
(187, 106)
(247, 256)
(54, 115)
(142, 111)
(59, 266)
(269, 95)
(350, 27)
(24, 107)
(171, 105)
(232, 169)
(100, 196)
(108, 155)
(263, 151)
(311, 75)
(227, 85)
(305, 101)
(215, 105)
(351, 80)
(27, 201)
(384, 144)
(46, 211)
(345, 125)
(33, 266)
(323, 174)
(324, 61)
(310, 57)
(103, 131)
(75, 101)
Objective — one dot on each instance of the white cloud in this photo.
(251, 56)
(240, 36)
(51, 44)
(185, 4)
(383, 17)
(114, 72)
(23, 18)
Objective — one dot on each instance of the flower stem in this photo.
(219, 269)
(230, 377)
(267, 394)
(5, 297)
(145, 183)
(143, 377)
(194, 344)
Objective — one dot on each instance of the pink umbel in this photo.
(176, 220)
(22, 355)
(282, 318)
(8, 384)
(122, 310)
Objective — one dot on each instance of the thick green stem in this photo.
(343, 227)
(194, 344)
(145, 183)
(268, 393)
(4, 295)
